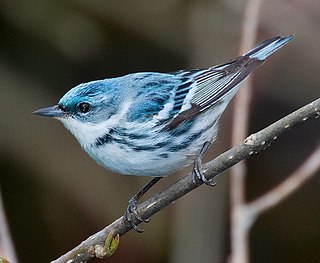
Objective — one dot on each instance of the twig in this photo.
(6, 245)
(287, 187)
(252, 145)
(239, 237)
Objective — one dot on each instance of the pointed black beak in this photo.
(53, 111)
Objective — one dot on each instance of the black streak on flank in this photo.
(105, 139)
(168, 144)
(126, 140)
(192, 137)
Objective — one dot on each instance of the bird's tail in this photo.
(267, 47)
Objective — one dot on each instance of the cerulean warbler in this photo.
(154, 124)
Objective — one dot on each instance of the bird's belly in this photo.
(158, 159)
(131, 162)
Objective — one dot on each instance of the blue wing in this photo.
(205, 87)
(179, 96)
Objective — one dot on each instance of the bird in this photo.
(154, 124)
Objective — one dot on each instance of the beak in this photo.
(53, 111)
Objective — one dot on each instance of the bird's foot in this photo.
(131, 216)
(198, 174)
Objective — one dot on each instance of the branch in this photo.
(6, 244)
(285, 188)
(243, 97)
(252, 145)
(239, 238)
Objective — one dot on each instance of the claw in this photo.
(132, 215)
(198, 175)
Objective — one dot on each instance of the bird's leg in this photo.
(131, 213)
(198, 175)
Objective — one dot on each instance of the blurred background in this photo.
(55, 196)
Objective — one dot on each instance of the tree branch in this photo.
(252, 145)
(6, 244)
(285, 188)
(239, 237)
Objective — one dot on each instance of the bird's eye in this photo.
(84, 107)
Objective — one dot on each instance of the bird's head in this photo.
(86, 108)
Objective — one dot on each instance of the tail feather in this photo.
(267, 47)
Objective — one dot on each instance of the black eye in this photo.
(84, 107)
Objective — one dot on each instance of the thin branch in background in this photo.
(239, 237)
(6, 245)
(253, 144)
(287, 187)
(243, 214)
